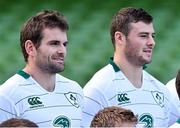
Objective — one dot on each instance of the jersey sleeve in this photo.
(175, 99)
(94, 100)
(174, 106)
(172, 88)
(7, 109)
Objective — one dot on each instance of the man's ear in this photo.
(119, 37)
(30, 48)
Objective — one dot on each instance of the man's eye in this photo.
(143, 35)
(65, 44)
(54, 43)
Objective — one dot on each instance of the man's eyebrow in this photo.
(147, 33)
(54, 41)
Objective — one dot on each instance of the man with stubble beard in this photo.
(37, 92)
(124, 82)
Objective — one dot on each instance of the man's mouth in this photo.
(148, 51)
(59, 60)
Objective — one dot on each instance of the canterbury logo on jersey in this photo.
(123, 98)
(72, 98)
(35, 102)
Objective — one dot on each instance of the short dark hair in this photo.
(15, 122)
(178, 83)
(121, 21)
(109, 116)
(32, 29)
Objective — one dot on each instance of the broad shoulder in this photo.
(149, 77)
(14, 88)
(171, 83)
(172, 87)
(153, 82)
(63, 80)
(102, 78)
(13, 83)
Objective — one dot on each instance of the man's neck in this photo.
(46, 80)
(133, 73)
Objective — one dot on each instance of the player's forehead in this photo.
(140, 27)
(49, 34)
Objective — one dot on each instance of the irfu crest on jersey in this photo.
(72, 98)
(158, 97)
(62, 121)
(145, 121)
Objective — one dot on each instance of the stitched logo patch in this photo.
(72, 98)
(35, 102)
(146, 120)
(62, 121)
(123, 98)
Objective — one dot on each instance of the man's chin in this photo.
(143, 62)
(56, 69)
(147, 61)
(61, 69)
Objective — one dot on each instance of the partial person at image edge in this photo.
(114, 117)
(174, 87)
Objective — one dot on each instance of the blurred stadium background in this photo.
(89, 40)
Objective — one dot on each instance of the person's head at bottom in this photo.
(15, 122)
(114, 117)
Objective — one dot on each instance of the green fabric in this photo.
(23, 74)
(178, 121)
(116, 68)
